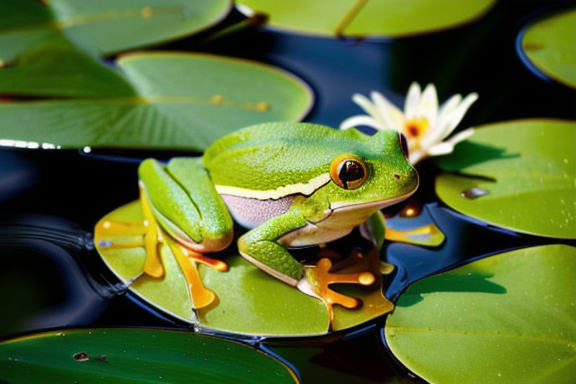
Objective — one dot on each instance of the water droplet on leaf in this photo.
(474, 193)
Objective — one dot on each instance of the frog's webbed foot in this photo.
(155, 241)
(155, 237)
(360, 269)
(322, 278)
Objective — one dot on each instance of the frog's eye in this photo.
(348, 171)
(403, 145)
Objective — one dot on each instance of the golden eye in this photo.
(348, 171)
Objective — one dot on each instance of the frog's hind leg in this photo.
(184, 202)
(183, 211)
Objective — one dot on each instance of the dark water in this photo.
(50, 200)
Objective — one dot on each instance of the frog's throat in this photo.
(299, 188)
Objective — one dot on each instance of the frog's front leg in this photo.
(262, 247)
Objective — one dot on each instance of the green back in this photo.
(264, 157)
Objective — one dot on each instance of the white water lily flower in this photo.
(423, 123)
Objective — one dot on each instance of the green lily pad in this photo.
(377, 18)
(62, 70)
(169, 100)
(252, 302)
(520, 175)
(135, 356)
(549, 45)
(503, 319)
(249, 301)
(101, 27)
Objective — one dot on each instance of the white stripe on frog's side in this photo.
(300, 188)
(250, 213)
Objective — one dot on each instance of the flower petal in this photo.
(443, 120)
(449, 105)
(365, 104)
(428, 105)
(447, 146)
(359, 120)
(392, 117)
(461, 136)
(448, 122)
(412, 100)
(416, 156)
(443, 148)
(456, 115)
(369, 107)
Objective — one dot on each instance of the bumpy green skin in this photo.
(265, 156)
(279, 156)
(260, 244)
(184, 196)
(194, 179)
(169, 199)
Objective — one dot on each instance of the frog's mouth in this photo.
(375, 205)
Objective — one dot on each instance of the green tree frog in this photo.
(290, 184)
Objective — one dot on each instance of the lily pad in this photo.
(135, 356)
(520, 175)
(168, 100)
(252, 302)
(101, 27)
(248, 301)
(62, 70)
(368, 18)
(549, 46)
(503, 319)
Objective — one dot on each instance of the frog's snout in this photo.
(409, 181)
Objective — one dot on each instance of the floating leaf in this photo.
(248, 301)
(390, 18)
(101, 27)
(180, 101)
(252, 302)
(135, 356)
(503, 319)
(549, 45)
(62, 70)
(414, 225)
(518, 175)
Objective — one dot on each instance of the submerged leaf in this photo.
(549, 45)
(368, 17)
(519, 175)
(503, 319)
(135, 356)
(179, 101)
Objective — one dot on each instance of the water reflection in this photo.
(466, 240)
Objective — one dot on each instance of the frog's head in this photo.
(375, 173)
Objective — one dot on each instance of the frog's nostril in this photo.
(397, 176)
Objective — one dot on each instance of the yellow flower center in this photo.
(415, 128)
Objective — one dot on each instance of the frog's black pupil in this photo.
(350, 171)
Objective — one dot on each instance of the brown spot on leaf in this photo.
(81, 356)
